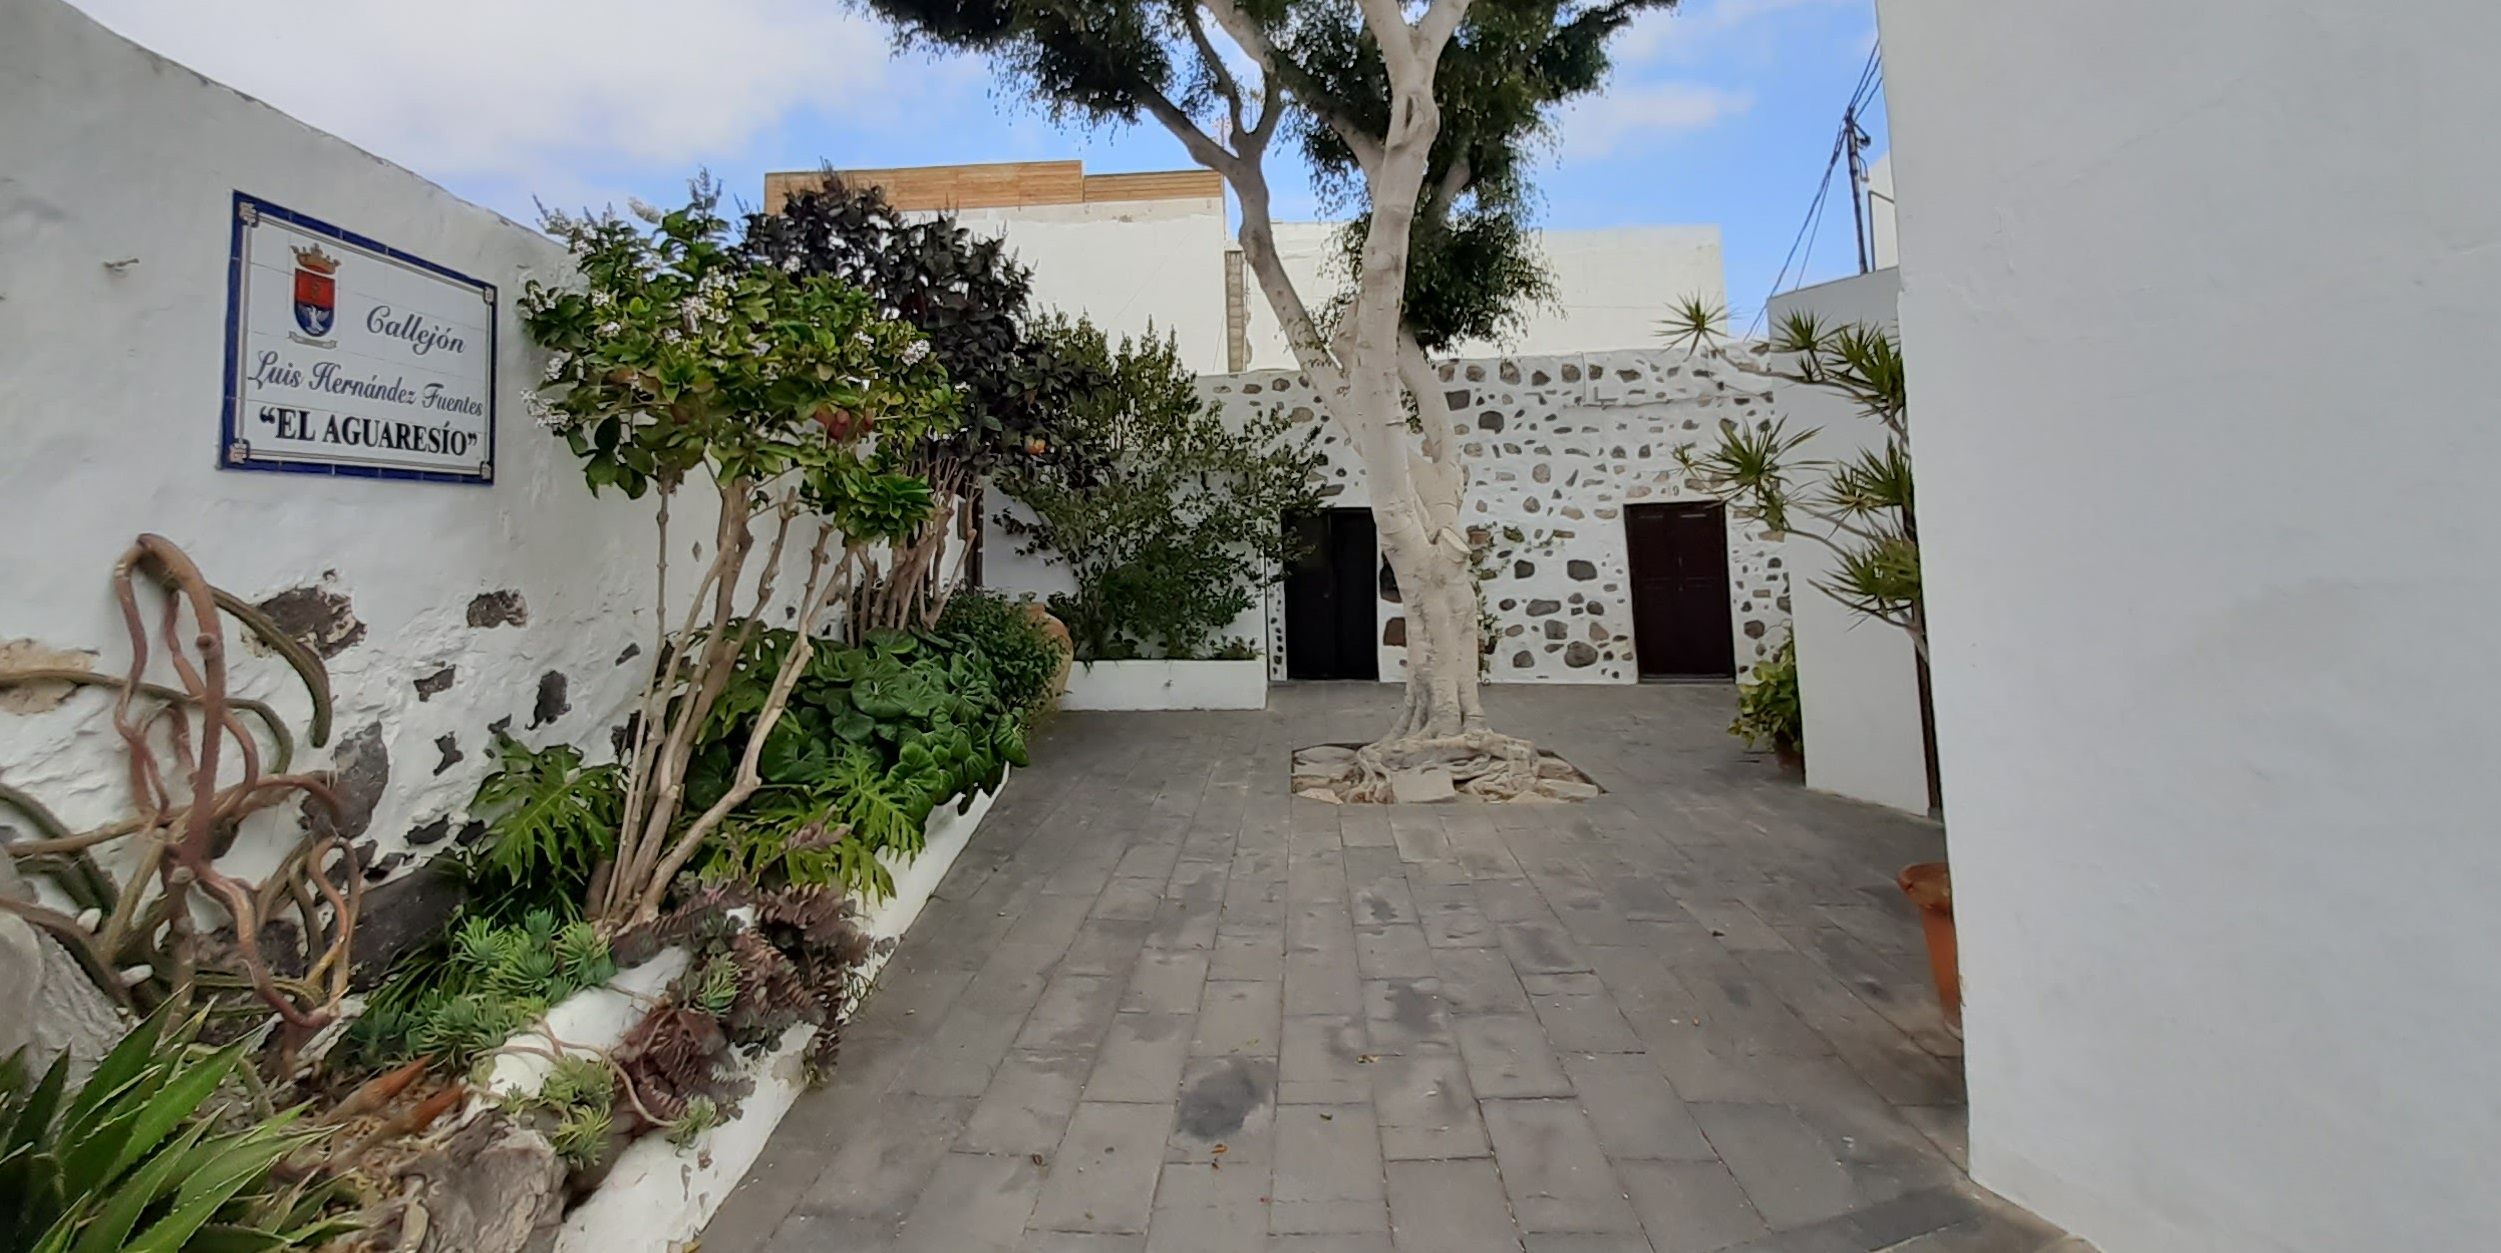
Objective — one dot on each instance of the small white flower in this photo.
(790, 265)
(611, 327)
(556, 364)
(670, 336)
(916, 352)
(602, 298)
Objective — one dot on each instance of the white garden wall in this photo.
(1858, 680)
(2205, 459)
(447, 609)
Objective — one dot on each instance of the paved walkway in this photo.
(1162, 1005)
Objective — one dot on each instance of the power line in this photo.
(1870, 82)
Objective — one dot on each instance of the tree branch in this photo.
(1226, 84)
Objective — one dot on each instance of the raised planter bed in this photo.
(1167, 685)
(658, 1197)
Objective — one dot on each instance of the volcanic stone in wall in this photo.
(435, 684)
(552, 702)
(399, 916)
(359, 770)
(494, 609)
(320, 616)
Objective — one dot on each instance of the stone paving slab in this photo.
(1162, 1006)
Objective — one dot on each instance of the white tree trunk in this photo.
(1416, 483)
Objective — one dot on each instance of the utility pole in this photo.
(1854, 142)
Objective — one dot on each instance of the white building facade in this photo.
(2215, 684)
(1156, 250)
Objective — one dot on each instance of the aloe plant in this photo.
(131, 1161)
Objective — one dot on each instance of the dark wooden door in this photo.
(1679, 557)
(1329, 597)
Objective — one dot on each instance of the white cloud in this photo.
(1690, 32)
(539, 90)
(1630, 117)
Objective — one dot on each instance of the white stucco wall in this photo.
(1612, 286)
(1858, 681)
(1130, 265)
(2205, 481)
(117, 173)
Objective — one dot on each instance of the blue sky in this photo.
(1720, 113)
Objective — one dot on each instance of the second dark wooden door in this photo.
(1679, 558)
(1330, 601)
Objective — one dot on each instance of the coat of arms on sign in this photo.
(316, 290)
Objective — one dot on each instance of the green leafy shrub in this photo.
(550, 820)
(1167, 517)
(1768, 712)
(873, 740)
(135, 1159)
(493, 982)
(676, 356)
(1023, 659)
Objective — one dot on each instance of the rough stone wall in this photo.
(1556, 447)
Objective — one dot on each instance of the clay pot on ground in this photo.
(1790, 754)
(1058, 631)
(1930, 888)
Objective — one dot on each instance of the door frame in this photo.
(1726, 618)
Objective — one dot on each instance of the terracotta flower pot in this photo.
(1930, 887)
(1052, 627)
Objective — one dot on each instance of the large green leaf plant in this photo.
(873, 740)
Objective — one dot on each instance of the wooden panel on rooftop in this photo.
(1005, 184)
(1155, 185)
(997, 185)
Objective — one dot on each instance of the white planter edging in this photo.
(1167, 685)
(658, 1197)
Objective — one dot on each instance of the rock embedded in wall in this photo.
(321, 616)
(495, 609)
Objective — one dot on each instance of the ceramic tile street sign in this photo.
(347, 357)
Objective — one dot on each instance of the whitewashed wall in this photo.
(1612, 286)
(1858, 680)
(520, 600)
(1129, 265)
(2205, 470)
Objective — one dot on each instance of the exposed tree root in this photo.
(1484, 764)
